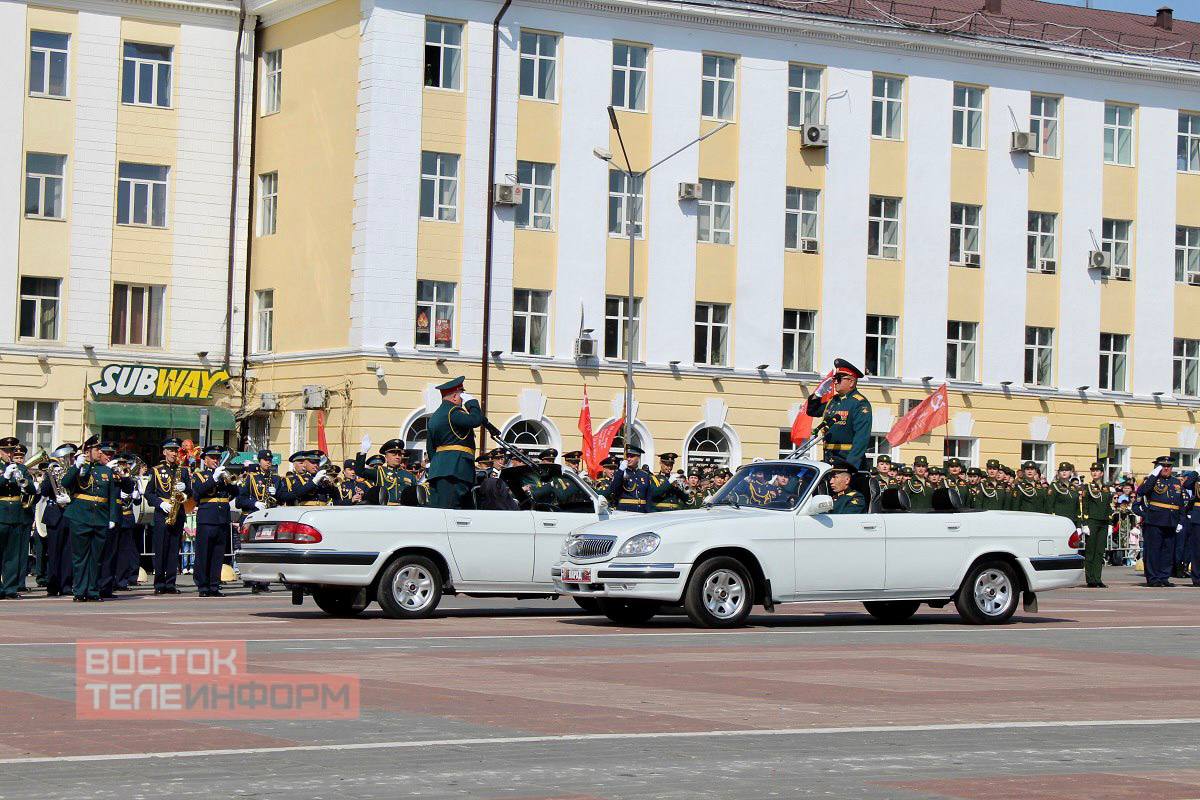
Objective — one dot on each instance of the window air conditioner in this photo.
(971, 259)
(507, 194)
(690, 191)
(1023, 142)
(808, 246)
(815, 136)
(1047, 266)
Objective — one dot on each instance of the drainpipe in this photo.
(242, 426)
(491, 209)
(233, 183)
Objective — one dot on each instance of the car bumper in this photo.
(663, 582)
(1053, 572)
(306, 565)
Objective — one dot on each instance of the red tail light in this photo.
(244, 532)
(1076, 541)
(297, 533)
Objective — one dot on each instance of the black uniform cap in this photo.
(9, 442)
(1164, 461)
(392, 446)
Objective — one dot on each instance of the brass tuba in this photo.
(60, 460)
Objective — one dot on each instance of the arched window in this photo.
(529, 435)
(414, 436)
(708, 446)
(618, 444)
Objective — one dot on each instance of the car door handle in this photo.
(463, 522)
(870, 526)
(953, 526)
(549, 524)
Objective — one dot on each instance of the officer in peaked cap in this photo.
(213, 490)
(846, 499)
(548, 456)
(16, 490)
(629, 489)
(450, 439)
(92, 514)
(847, 416)
(1161, 497)
(664, 494)
(167, 490)
(388, 480)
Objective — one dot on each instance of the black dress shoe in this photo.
(203, 594)
(1166, 585)
(216, 594)
(1101, 585)
(78, 599)
(171, 590)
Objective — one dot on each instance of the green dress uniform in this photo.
(918, 494)
(1062, 500)
(389, 481)
(849, 502)
(450, 441)
(1029, 496)
(847, 426)
(1096, 503)
(991, 497)
(664, 495)
(92, 512)
(14, 529)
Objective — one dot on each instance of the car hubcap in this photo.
(724, 594)
(993, 592)
(413, 588)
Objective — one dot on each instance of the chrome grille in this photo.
(590, 546)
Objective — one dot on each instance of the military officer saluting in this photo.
(629, 489)
(16, 487)
(211, 487)
(845, 499)
(1095, 504)
(450, 440)
(166, 493)
(1162, 498)
(390, 478)
(847, 416)
(92, 514)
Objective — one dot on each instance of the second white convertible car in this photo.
(767, 537)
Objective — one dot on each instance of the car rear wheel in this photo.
(588, 604)
(989, 594)
(720, 593)
(628, 612)
(892, 611)
(410, 588)
(337, 601)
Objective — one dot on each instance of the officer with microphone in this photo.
(450, 442)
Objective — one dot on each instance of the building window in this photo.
(142, 195)
(962, 340)
(1187, 254)
(435, 314)
(531, 321)
(137, 315)
(528, 435)
(48, 54)
(717, 87)
(264, 321)
(887, 107)
(799, 340)
(539, 65)
(1041, 248)
(881, 346)
(44, 178)
(146, 75)
(968, 116)
(1186, 459)
(1040, 453)
(299, 432)
(439, 186)
(39, 308)
(883, 227)
(964, 235)
(1114, 240)
(268, 202)
(258, 432)
(786, 445)
(801, 220)
(272, 78)
(415, 435)
(537, 204)
(1186, 368)
(443, 54)
(622, 189)
(1118, 465)
(35, 424)
(961, 448)
(1114, 359)
(615, 317)
(712, 335)
(804, 95)
(1043, 124)
(1188, 143)
(629, 76)
(878, 446)
(714, 212)
(708, 447)
(1118, 134)
(1039, 356)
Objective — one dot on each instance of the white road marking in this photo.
(920, 629)
(597, 737)
(230, 622)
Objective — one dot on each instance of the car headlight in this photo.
(562, 551)
(641, 545)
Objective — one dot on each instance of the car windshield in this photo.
(775, 486)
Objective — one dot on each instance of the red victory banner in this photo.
(604, 438)
(802, 425)
(585, 429)
(931, 413)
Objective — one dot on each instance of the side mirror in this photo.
(819, 504)
(602, 506)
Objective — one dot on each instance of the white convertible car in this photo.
(406, 557)
(767, 537)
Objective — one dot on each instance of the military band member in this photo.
(390, 478)
(260, 488)
(59, 572)
(845, 499)
(847, 416)
(29, 500)
(351, 487)
(450, 440)
(91, 515)
(166, 489)
(629, 489)
(211, 488)
(1161, 500)
(1095, 507)
(114, 569)
(604, 481)
(308, 485)
(664, 494)
(16, 486)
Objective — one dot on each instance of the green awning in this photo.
(158, 415)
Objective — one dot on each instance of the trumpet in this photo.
(331, 472)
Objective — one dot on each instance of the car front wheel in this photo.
(892, 611)
(720, 593)
(410, 588)
(628, 612)
(989, 594)
(340, 602)
(588, 604)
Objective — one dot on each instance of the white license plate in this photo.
(576, 575)
(264, 533)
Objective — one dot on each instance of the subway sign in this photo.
(174, 383)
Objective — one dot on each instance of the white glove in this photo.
(1154, 472)
(80, 459)
(1178, 528)
(10, 471)
(260, 506)
(271, 491)
(218, 473)
(467, 397)
(180, 486)
(165, 506)
(112, 525)
(137, 496)
(62, 498)
(365, 445)
(124, 495)
(623, 465)
(320, 476)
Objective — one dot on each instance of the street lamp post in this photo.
(630, 221)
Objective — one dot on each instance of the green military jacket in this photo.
(1097, 504)
(990, 497)
(664, 495)
(14, 495)
(93, 489)
(450, 440)
(918, 494)
(1062, 500)
(849, 502)
(847, 426)
(1029, 497)
(389, 482)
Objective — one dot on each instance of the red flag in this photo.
(932, 412)
(802, 425)
(603, 440)
(585, 429)
(322, 444)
